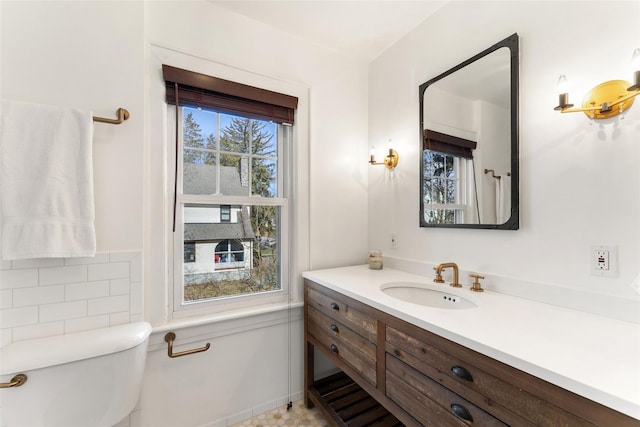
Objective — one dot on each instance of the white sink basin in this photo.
(423, 294)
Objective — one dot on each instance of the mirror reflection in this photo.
(469, 142)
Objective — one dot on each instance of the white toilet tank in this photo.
(83, 379)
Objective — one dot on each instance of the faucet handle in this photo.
(476, 286)
(438, 278)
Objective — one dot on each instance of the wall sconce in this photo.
(599, 103)
(390, 160)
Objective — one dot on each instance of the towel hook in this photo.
(170, 338)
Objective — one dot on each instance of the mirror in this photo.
(469, 142)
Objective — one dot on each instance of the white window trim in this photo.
(158, 198)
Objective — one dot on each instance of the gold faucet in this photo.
(441, 267)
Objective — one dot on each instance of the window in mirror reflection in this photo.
(448, 194)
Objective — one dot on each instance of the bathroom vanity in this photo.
(498, 361)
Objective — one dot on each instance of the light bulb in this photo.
(563, 85)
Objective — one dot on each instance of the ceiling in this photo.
(361, 29)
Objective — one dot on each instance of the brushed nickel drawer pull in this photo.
(335, 306)
(333, 348)
(461, 412)
(16, 381)
(170, 337)
(462, 373)
(334, 327)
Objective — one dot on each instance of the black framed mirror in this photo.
(469, 175)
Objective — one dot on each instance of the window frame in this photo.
(177, 306)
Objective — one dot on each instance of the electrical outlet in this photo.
(603, 261)
(394, 241)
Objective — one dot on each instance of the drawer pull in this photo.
(334, 327)
(333, 348)
(460, 372)
(335, 306)
(461, 412)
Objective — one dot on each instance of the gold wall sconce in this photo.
(390, 160)
(606, 100)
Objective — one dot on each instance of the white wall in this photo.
(579, 183)
(98, 55)
(245, 372)
(87, 55)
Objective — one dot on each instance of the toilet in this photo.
(90, 378)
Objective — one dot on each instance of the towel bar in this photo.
(493, 173)
(122, 113)
(170, 338)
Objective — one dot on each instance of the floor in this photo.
(297, 416)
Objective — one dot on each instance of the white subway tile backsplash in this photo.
(23, 297)
(86, 323)
(120, 287)
(14, 317)
(86, 290)
(6, 300)
(10, 279)
(135, 301)
(117, 270)
(119, 318)
(38, 263)
(6, 336)
(41, 330)
(63, 275)
(53, 296)
(100, 258)
(113, 304)
(63, 311)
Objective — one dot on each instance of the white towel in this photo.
(503, 199)
(46, 182)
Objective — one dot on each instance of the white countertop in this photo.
(594, 356)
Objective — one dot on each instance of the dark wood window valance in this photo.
(200, 90)
(448, 144)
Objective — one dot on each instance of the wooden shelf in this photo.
(344, 402)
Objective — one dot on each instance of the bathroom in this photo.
(579, 181)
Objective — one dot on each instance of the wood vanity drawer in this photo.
(337, 339)
(355, 315)
(429, 402)
(456, 368)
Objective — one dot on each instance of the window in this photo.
(447, 179)
(189, 252)
(444, 188)
(225, 213)
(231, 203)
